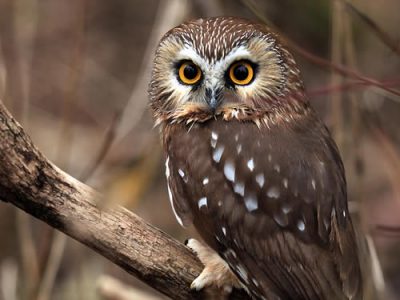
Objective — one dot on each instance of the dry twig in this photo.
(29, 181)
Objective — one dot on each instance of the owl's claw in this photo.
(216, 271)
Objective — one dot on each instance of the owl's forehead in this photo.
(214, 39)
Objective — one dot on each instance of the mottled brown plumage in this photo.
(252, 166)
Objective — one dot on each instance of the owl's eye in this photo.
(189, 73)
(241, 73)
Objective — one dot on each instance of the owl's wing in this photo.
(272, 202)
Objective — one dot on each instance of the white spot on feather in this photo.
(239, 148)
(229, 170)
(301, 226)
(238, 188)
(181, 173)
(214, 138)
(250, 164)
(313, 183)
(273, 192)
(167, 172)
(286, 209)
(171, 200)
(202, 202)
(260, 179)
(217, 154)
(205, 181)
(251, 202)
(285, 183)
(223, 230)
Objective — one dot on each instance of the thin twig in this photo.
(379, 32)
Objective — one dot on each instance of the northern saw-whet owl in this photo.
(251, 165)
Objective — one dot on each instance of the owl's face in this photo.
(221, 65)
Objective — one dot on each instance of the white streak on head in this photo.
(217, 154)
(181, 173)
(273, 192)
(250, 164)
(202, 202)
(251, 202)
(229, 170)
(205, 181)
(260, 179)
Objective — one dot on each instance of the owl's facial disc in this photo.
(207, 82)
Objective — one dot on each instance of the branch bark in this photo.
(32, 183)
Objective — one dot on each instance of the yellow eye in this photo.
(241, 73)
(189, 73)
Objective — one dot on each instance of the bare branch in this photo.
(29, 181)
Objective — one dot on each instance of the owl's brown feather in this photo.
(258, 175)
(270, 200)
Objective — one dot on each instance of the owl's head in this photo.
(222, 66)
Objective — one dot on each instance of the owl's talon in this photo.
(216, 271)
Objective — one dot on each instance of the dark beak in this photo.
(213, 98)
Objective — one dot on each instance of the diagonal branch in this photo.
(29, 181)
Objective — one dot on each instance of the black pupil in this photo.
(190, 72)
(241, 72)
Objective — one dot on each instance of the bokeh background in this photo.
(75, 72)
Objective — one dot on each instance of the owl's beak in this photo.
(213, 98)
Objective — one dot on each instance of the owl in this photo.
(250, 164)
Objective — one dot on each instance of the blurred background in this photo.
(74, 73)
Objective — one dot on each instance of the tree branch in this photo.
(29, 181)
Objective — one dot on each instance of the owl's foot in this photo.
(216, 271)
